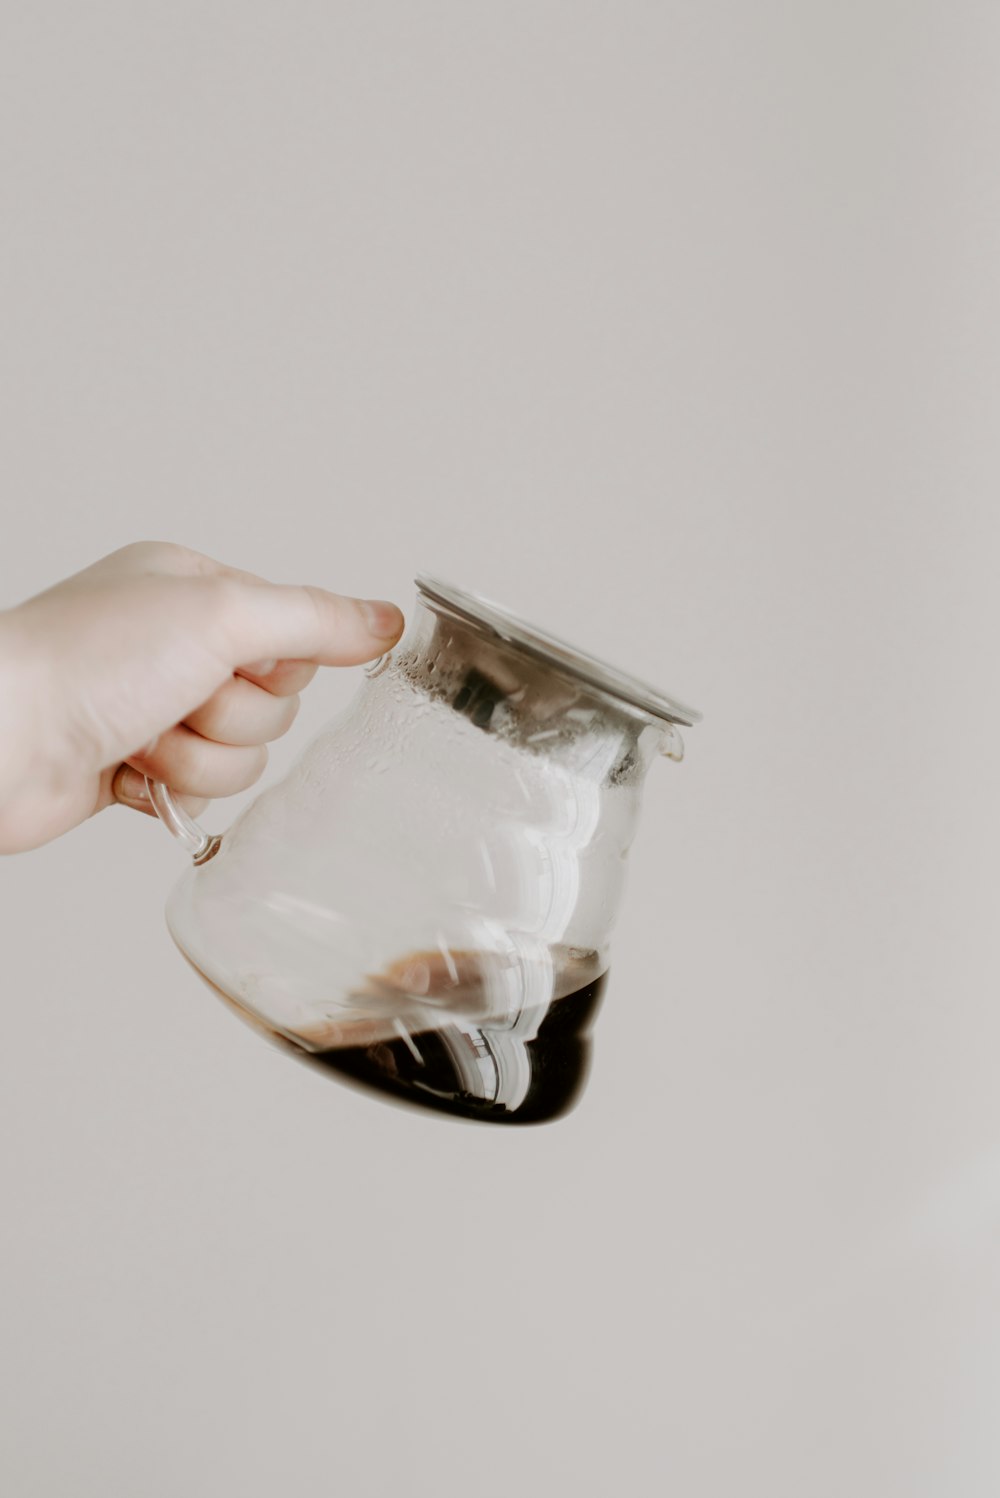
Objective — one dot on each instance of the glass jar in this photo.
(424, 904)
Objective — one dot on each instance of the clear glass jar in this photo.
(425, 902)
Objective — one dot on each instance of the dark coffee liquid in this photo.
(479, 1072)
(529, 1069)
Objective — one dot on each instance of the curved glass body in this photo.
(424, 904)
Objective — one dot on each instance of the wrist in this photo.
(20, 706)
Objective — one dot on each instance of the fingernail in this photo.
(383, 619)
(260, 668)
(129, 785)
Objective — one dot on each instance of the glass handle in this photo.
(200, 844)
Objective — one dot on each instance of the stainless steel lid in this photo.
(554, 652)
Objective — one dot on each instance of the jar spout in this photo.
(671, 744)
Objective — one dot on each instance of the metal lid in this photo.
(554, 652)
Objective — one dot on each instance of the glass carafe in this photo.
(424, 904)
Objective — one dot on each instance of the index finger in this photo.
(254, 621)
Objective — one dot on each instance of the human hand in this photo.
(158, 661)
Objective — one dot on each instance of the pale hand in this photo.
(158, 661)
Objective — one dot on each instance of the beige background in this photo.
(674, 327)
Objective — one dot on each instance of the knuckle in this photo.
(224, 592)
(190, 762)
(290, 712)
(326, 611)
(139, 550)
(290, 677)
(223, 601)
(255, 767)
(168, 554)
(222, 716)
(138, 558)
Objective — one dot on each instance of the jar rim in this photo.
(554, 652)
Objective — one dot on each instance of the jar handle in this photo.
(200, 844)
